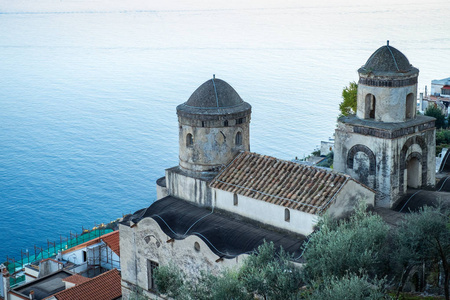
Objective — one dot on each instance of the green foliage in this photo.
(271, 274)
(436, 112)
(169, 280)
(424, 236)
(349, 96)
(350, 287)
(358, 245)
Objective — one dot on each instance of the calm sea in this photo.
(88, 90)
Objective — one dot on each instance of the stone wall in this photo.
(147, 242)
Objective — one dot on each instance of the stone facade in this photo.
(386, 145)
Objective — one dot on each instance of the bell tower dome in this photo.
(213, 128)
(387, 88)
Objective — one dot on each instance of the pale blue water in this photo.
(88, 91)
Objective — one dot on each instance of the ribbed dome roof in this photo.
(387, 59)
(214, 93)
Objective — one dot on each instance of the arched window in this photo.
(225, 123)
(235, 199)
(370, 107)
(189, 140)
(238, 139)
(287, 215)
(410, 107)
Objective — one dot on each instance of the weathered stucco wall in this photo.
(188, 188)
(348, 198)
(265, 212)
(146, 241)
(390, 102)
(385, 171)
(212, 147)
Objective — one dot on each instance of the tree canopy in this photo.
(436, 112)
(349, 96)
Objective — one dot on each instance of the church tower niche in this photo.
(386, 145)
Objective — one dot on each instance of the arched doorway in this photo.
(414, 173)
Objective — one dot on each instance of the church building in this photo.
(386, 145)
(222, 201)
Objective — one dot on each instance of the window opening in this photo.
(235, 199)
(370, 106)
(151, 266)
(197, 246)
(410, 108)
(225, 123)
(240, 121)
(203, 123)
(287, 215)
(189, 140)
(238, 139)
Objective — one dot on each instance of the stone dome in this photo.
(214, 97)
(387, 60)
(214, 93)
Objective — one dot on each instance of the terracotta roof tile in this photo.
(112, 240)
(76, 279)
(280, 182)
(106, 286)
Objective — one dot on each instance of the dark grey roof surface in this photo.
(214, 93)
(416, 199)
(215, 96)
(227, 235)
(387, 59)
(45, 286)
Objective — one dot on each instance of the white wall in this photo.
(265, 212)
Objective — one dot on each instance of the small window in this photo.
(203, 123)
(235, 199)
(238, 139)
(197, 246)
(225, 123)
(239, 121)
(151, 266)
(189, 140)
(84, 256)
(287, 215)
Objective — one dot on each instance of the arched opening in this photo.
(370, 107)
(225, 123)
(410, 107)
(287, 215)
(238, 139)
(413, 173)
(189, 140)
(235, 199)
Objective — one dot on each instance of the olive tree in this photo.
(358, 245)
(349, 95)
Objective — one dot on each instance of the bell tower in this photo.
(386, 145)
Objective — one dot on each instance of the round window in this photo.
(197, 246)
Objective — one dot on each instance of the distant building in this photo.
(47, 277)
(441, 88)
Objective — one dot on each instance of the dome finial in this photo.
(387, 43)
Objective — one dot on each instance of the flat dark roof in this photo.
(45, 286)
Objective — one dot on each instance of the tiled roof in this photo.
(76, 279)
(105, 286)
(112, 240)
(280, 182)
